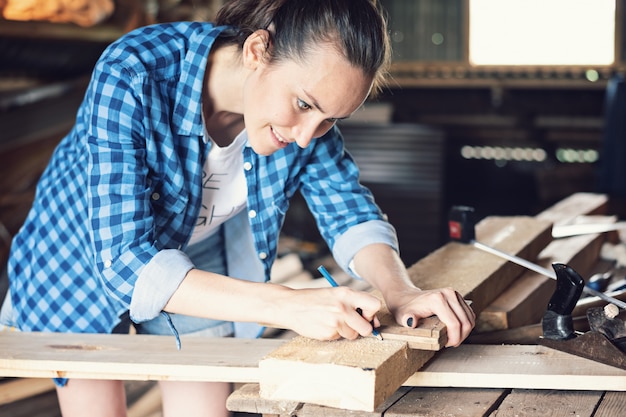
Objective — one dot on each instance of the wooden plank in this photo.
(358, 375)
(549, 403)
(575, 205)
(516, 366)
(247, 399)
(475, 274)
(612, 404)
(18, 389)
(523, 302)
(458, 402)
(313, 410)
(131, 357)
(526, 299)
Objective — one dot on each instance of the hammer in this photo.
(462, 229)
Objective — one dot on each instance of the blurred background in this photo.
(504, 105)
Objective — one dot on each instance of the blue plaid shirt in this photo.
(120, 197)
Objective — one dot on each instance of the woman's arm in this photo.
(325, 314)
(381, 266)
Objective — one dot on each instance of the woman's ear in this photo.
(256, 48)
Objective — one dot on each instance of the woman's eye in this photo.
(303, 105)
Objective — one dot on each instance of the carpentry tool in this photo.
(333, 283)
(605, 342)
(566, 230)
(462, 229)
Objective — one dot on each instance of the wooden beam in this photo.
(131, 357)
(475, 274)
(357, 375)
(524, 302)
(526, 299)
(574, 206)
(516, 366)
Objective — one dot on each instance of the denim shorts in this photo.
(207, 255)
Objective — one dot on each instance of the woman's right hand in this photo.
(329, 313)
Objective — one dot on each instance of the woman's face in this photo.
(297, 101)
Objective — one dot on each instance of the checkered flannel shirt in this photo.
(121, 195)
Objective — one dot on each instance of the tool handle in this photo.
(557, 321)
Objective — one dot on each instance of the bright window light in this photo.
(542, 32)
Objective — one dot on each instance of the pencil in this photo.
(333, 283)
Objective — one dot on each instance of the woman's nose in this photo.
(306, 131)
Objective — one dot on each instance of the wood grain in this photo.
(131, 357)
(475, 274)
(516, 366)
(358, 375)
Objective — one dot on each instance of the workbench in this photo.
(455, 402)
(475, 379)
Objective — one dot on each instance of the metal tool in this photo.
(605, 342)
(568, 230)
(462, 229)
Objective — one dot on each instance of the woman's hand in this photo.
(382, 267)
(330, 313)
(410, 305)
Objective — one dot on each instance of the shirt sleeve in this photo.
(118, 191)
(157, 282)
(345, 211)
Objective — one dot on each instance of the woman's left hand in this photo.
(448, 305)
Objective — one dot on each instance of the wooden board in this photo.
(516, 366)
(575, 205)
(358, 375)
(475, 274)
(550, 403)
(12, 390)
(136, 357)
(526, 300)
(613, 404)
(458, 402)
(248, 400)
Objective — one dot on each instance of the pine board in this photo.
(131, 357)
(526, 299)
(358, 375)
(516, 366)
(550, 403)
(458, 402)
(475, 274)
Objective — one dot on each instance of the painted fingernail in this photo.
(409, 322)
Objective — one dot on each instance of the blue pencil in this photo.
(333, 283)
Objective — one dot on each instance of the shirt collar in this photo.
(187, 117)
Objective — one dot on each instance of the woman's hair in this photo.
(356, 27)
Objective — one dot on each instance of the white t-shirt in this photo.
(224, 190)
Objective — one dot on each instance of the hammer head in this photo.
(461, 224)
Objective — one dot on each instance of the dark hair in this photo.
(357, 27)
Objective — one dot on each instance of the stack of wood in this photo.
(84, 13)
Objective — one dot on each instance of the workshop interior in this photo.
(493, 109)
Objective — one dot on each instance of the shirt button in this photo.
(252, 214)
(156, 196)
(107, 263)
(262, 255)
(247, 166)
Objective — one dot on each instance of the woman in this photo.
(162, 206)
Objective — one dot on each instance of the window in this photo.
(542, 32)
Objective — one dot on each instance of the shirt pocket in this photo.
(169, 203)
